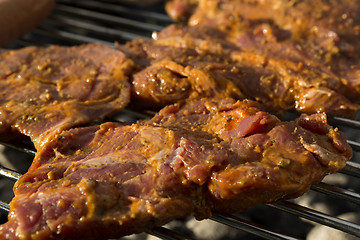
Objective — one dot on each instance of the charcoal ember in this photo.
(279, 221)
(211, 230)
(327, 205)
(139, 236)
(178, 226)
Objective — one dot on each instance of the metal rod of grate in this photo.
(75, 22)
(318, 217)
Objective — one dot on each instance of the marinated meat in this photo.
(307, 18)
(48, 89)
(208, 156)
(313, 39)
(176, 66)
(200, 61)
(181, 10)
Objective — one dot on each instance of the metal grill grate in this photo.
(74, 22)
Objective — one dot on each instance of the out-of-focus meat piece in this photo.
(331, 83)
(212, 155)
(304, 18)
(194, 62)
(200, 61)
(324, 100)
(319, 36)
(18, 17)
(181, 10)
(44, 90)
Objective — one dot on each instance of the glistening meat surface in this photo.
(311, 44)
(208, 156)
(182, 63)
(334, 21)
(47, 89)
(196, 61)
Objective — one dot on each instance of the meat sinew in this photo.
(209, 156)
(312, 39)
(196, 61)
(48, 88)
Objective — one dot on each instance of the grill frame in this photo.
(75, 22)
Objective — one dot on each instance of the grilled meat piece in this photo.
(308, 18)
(304, 18)
(209, 156)
(319, 36)
(313, 85)
(200, 61)
(176, 66)
(48, 88)
(181, 10)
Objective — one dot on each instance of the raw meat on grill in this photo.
(47, 89)
(325, 38)
(208, 156)
(181, 10)
(312, 39)
(314, 84)
(174, 68)
(335, 21)
(196, 61)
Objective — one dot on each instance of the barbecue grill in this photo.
(74, 22)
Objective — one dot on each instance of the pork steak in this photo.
(48, 88)
(312, 45)
(206, 157)
(184, 62)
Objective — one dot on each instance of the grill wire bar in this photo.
(247, 226)
(318, 217)
(334, 191)
(76, 22)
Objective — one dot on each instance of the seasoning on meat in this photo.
(208, 156)
(312, 45)
(48, 89)
(176, 66)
